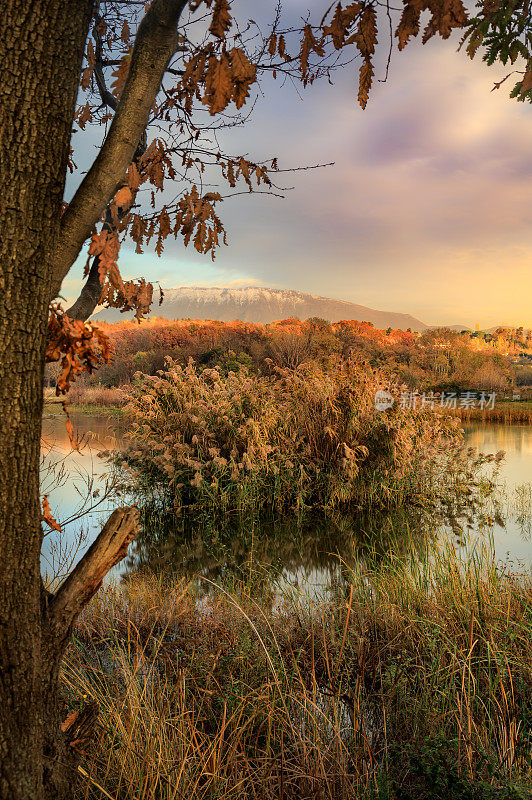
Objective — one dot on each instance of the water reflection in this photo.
(304, 554)
(309, 553)
(508, 521)
(79, 485)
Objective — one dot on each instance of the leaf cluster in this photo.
(502, 31)
(78, 345)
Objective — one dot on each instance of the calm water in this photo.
(308, 555)
(512, 534)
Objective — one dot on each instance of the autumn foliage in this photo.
(218, 67)
(162, 79)
(435, 360)
(217, 70)
(77, 345)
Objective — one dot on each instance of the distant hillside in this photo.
(457, 328)
(256, 304)
(460, 328)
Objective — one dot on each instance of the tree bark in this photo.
(41, 51)
(59, 613)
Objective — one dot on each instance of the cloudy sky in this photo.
(427, 209)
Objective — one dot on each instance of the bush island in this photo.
(309, 437)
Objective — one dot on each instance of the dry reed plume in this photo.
(304, 438)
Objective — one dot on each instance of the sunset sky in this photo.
(427, 209)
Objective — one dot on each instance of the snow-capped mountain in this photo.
(257, 304)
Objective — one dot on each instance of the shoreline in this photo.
(84, 408)
(504, 413)
(510, 413)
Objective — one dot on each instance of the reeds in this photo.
(415, 681)
(100, 396)
(506, 413)
(296, 439)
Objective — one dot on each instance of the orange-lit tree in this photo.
(160, 78)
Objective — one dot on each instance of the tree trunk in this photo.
(41, 50)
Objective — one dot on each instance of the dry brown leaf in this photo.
(309, 44)
(47, 515)
(120, 76)
(221, 19)
(125, 32)
(124, 197)
(84, 116)
(526, 85)
(218, 83)
(366, 78)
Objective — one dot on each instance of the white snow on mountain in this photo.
(258, 304)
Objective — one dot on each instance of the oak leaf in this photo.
(243, 74)
(125, 32)
(526, 85)
(124, 197)
(309, 44)
(78, 345)
(84, 116)
(221, 19)
(366, 78)
(47, 515)
(408, 24)
(341, 22)
(218, 83)
(366, 37)
(120, 76)
(133, 177)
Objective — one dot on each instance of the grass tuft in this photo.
(413, 682)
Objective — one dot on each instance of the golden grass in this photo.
(295, 439)
(97, 395)
(414, 681)
(507, 413)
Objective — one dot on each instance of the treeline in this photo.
(513, 341)
(437, 359)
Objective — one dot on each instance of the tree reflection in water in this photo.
(310, 556)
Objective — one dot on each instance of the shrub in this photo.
(308, 437)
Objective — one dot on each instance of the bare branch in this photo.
(107, 98)
(89, 297)
(155, 44)
(86, 578)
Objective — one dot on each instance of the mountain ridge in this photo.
(265, 305)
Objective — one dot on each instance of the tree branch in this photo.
(107, 98)
(89, 296)
(86, 578)
(91, 292)
(155, 44)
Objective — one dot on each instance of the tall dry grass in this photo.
(104, 396)
(304, 438)
(415, 682)
(504, 413)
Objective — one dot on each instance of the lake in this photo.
(290, 553)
